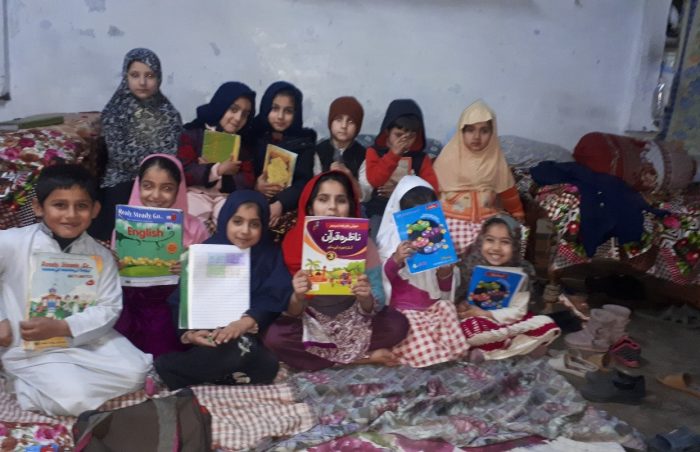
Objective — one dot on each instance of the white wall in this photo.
(552, 69)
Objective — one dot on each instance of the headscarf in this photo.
(388, 239)
(473, 257)
(135, 128)
(396, 109)
(270, 284)
(210, 114)
(292, 243)
(194, 230)
(262, 125)
(459, 169)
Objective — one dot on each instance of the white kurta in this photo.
(100, 363)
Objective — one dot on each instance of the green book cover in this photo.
(147, 240)
(219, 146)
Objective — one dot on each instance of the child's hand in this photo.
(232, 331)
(5, 333)
(175, 268)
(203, 338)
(229, 167)
(301, 284)
(40, 328)
(465, 310)
(363, 291)
(403, 251)
(402, 144)
(275, 213)
(386, 190)
(269, 190)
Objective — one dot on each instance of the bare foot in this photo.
(5, 333)
(384, 357)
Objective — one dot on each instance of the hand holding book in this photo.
(42, 328)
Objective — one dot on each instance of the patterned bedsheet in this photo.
(25, 152)
(669, 248)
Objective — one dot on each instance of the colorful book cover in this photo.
(147, 240)
(61, 285)
(425, 226)
(334, 253)
(494, 287)
(279, 165)
(215, 286)
(220, 146)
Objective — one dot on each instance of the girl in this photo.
(475, 180)
(216, 355)
(280, 123)
(359, 332)
(210, 183)
(424, 298)
(510, 331)
(145, 319)
(137, 119)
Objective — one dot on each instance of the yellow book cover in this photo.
(219, 146)
(279, 165)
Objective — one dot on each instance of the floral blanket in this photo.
(461, 404)
(669, 248)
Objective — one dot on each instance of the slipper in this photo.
(570, 364)
(682, 382)
(681, 439)
(602, 361)
(626, 352)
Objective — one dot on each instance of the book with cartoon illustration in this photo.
(215, 286)
(334, 252)
(279, 165)
(218, 147)
(494, 287)
(60, 285)
(426, 228)
(148, 240)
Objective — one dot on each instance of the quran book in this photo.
(279, 165)
(220, 146)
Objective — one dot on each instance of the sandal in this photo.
(571, 364)
(602, 361)
(681, 439)
(682, 382)
(626, 352)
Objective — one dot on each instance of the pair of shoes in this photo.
(626, 352)
(685, 315)
(682, 382)
(570, 362)
(681, 439)
(614, 387)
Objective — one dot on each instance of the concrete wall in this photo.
(552, 69)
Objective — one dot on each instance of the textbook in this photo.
(494, 287)
(60, 285)
(220, 146)
(426, 228)
(29, 122)
(279, 165)
(147, 240)
(215, 286)
(334, 252)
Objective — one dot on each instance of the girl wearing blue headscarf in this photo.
(215, 355)
(230, 111)
(280, 122)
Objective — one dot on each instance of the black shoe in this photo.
(614, 387)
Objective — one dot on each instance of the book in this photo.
(425, 226)
(148, 240)
(334, 252)
(215, 286)
(494, 287)
(29, 122)
(403, 168)
(60, 285)
(220, 146)
(279, 165)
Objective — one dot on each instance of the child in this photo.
(235, 348)
(280, 122)
(99, 363)
(358, 331)
(424, 298)
(510, 331)
(399, 145)
(210, 183)
(341, 152)
(137, 119)
(145, 320)
(475, 180)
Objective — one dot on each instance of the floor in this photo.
(666, 348)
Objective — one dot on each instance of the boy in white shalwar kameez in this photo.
(99, 363)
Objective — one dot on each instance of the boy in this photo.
(99, 363)
(397, 151)
(341, 151)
